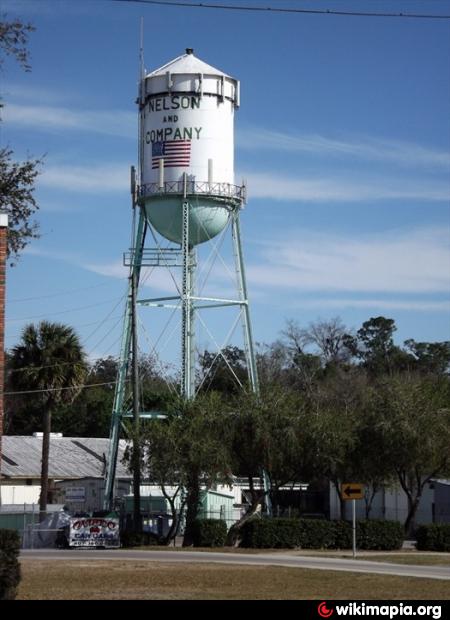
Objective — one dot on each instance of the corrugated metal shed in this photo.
(70, 457)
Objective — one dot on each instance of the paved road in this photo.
(264, 559)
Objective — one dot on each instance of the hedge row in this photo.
(321, 534)
(130, 538)
(434, 537)
(209, 533)
(9, 564)
(272, 534)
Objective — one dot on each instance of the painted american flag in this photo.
(175, 153)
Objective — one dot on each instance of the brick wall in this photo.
(3, 237)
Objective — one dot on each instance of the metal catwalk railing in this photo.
(221, 190)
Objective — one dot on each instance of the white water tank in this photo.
(187, 133)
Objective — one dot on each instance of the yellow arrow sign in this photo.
(352, 490)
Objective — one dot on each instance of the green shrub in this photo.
(10, 541)
(209, 533)
(371, 534)
(317, 534)
(270, 533)
(320, 534)
(249, 534)
(378, 534)
(288, 534)
(130, 538)
(9, 564)
(434, 537)
(343, 535)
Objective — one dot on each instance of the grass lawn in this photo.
(117, 579)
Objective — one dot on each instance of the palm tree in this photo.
(50, 363)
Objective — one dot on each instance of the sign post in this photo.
(354, 528)
(352, 491)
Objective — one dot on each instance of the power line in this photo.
(73, 387)
(91, 360)
(93, 348)
(105, 319)
(76, 290)
(231, 7)
(43, 316)
(98, 325)
(112, 318)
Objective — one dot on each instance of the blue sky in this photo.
(343, 137)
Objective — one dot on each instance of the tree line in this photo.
(333, 406)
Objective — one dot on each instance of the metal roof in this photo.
(70, 457)
(187, 63)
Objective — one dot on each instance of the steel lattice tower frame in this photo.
(184, 256)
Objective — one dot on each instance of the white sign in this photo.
(94, 532)
(75, 494)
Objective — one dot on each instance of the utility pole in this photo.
(137, 520)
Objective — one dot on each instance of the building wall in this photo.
(389, 504)
(94, 490)
(216, 505)
(19, 493)
(441, 502)
(22, 493)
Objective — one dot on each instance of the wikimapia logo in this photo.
(324, 612)
(390, 611)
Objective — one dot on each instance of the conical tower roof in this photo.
(187, 63)
(189, 74)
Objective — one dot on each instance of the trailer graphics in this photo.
(94, 532)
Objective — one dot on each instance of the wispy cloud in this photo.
(365, 147)
(157, 279)
(402, 262)
(52, 206)
(341, 189)
(109, 177)
(404, 271)
(101, 178)
(87, 179)
(410, 305)
(114, 270)
(68, 257)
(38, 95)
(39, 117)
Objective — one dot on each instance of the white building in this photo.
(391, 504)
(73, 462)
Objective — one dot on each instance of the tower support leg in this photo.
(124, 362)
(243, 297)
(247, 329)
(188, 311)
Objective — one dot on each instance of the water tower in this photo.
(185, 193)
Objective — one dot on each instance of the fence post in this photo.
(32, 527)
(24, 525)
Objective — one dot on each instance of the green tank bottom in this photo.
(207, 217)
